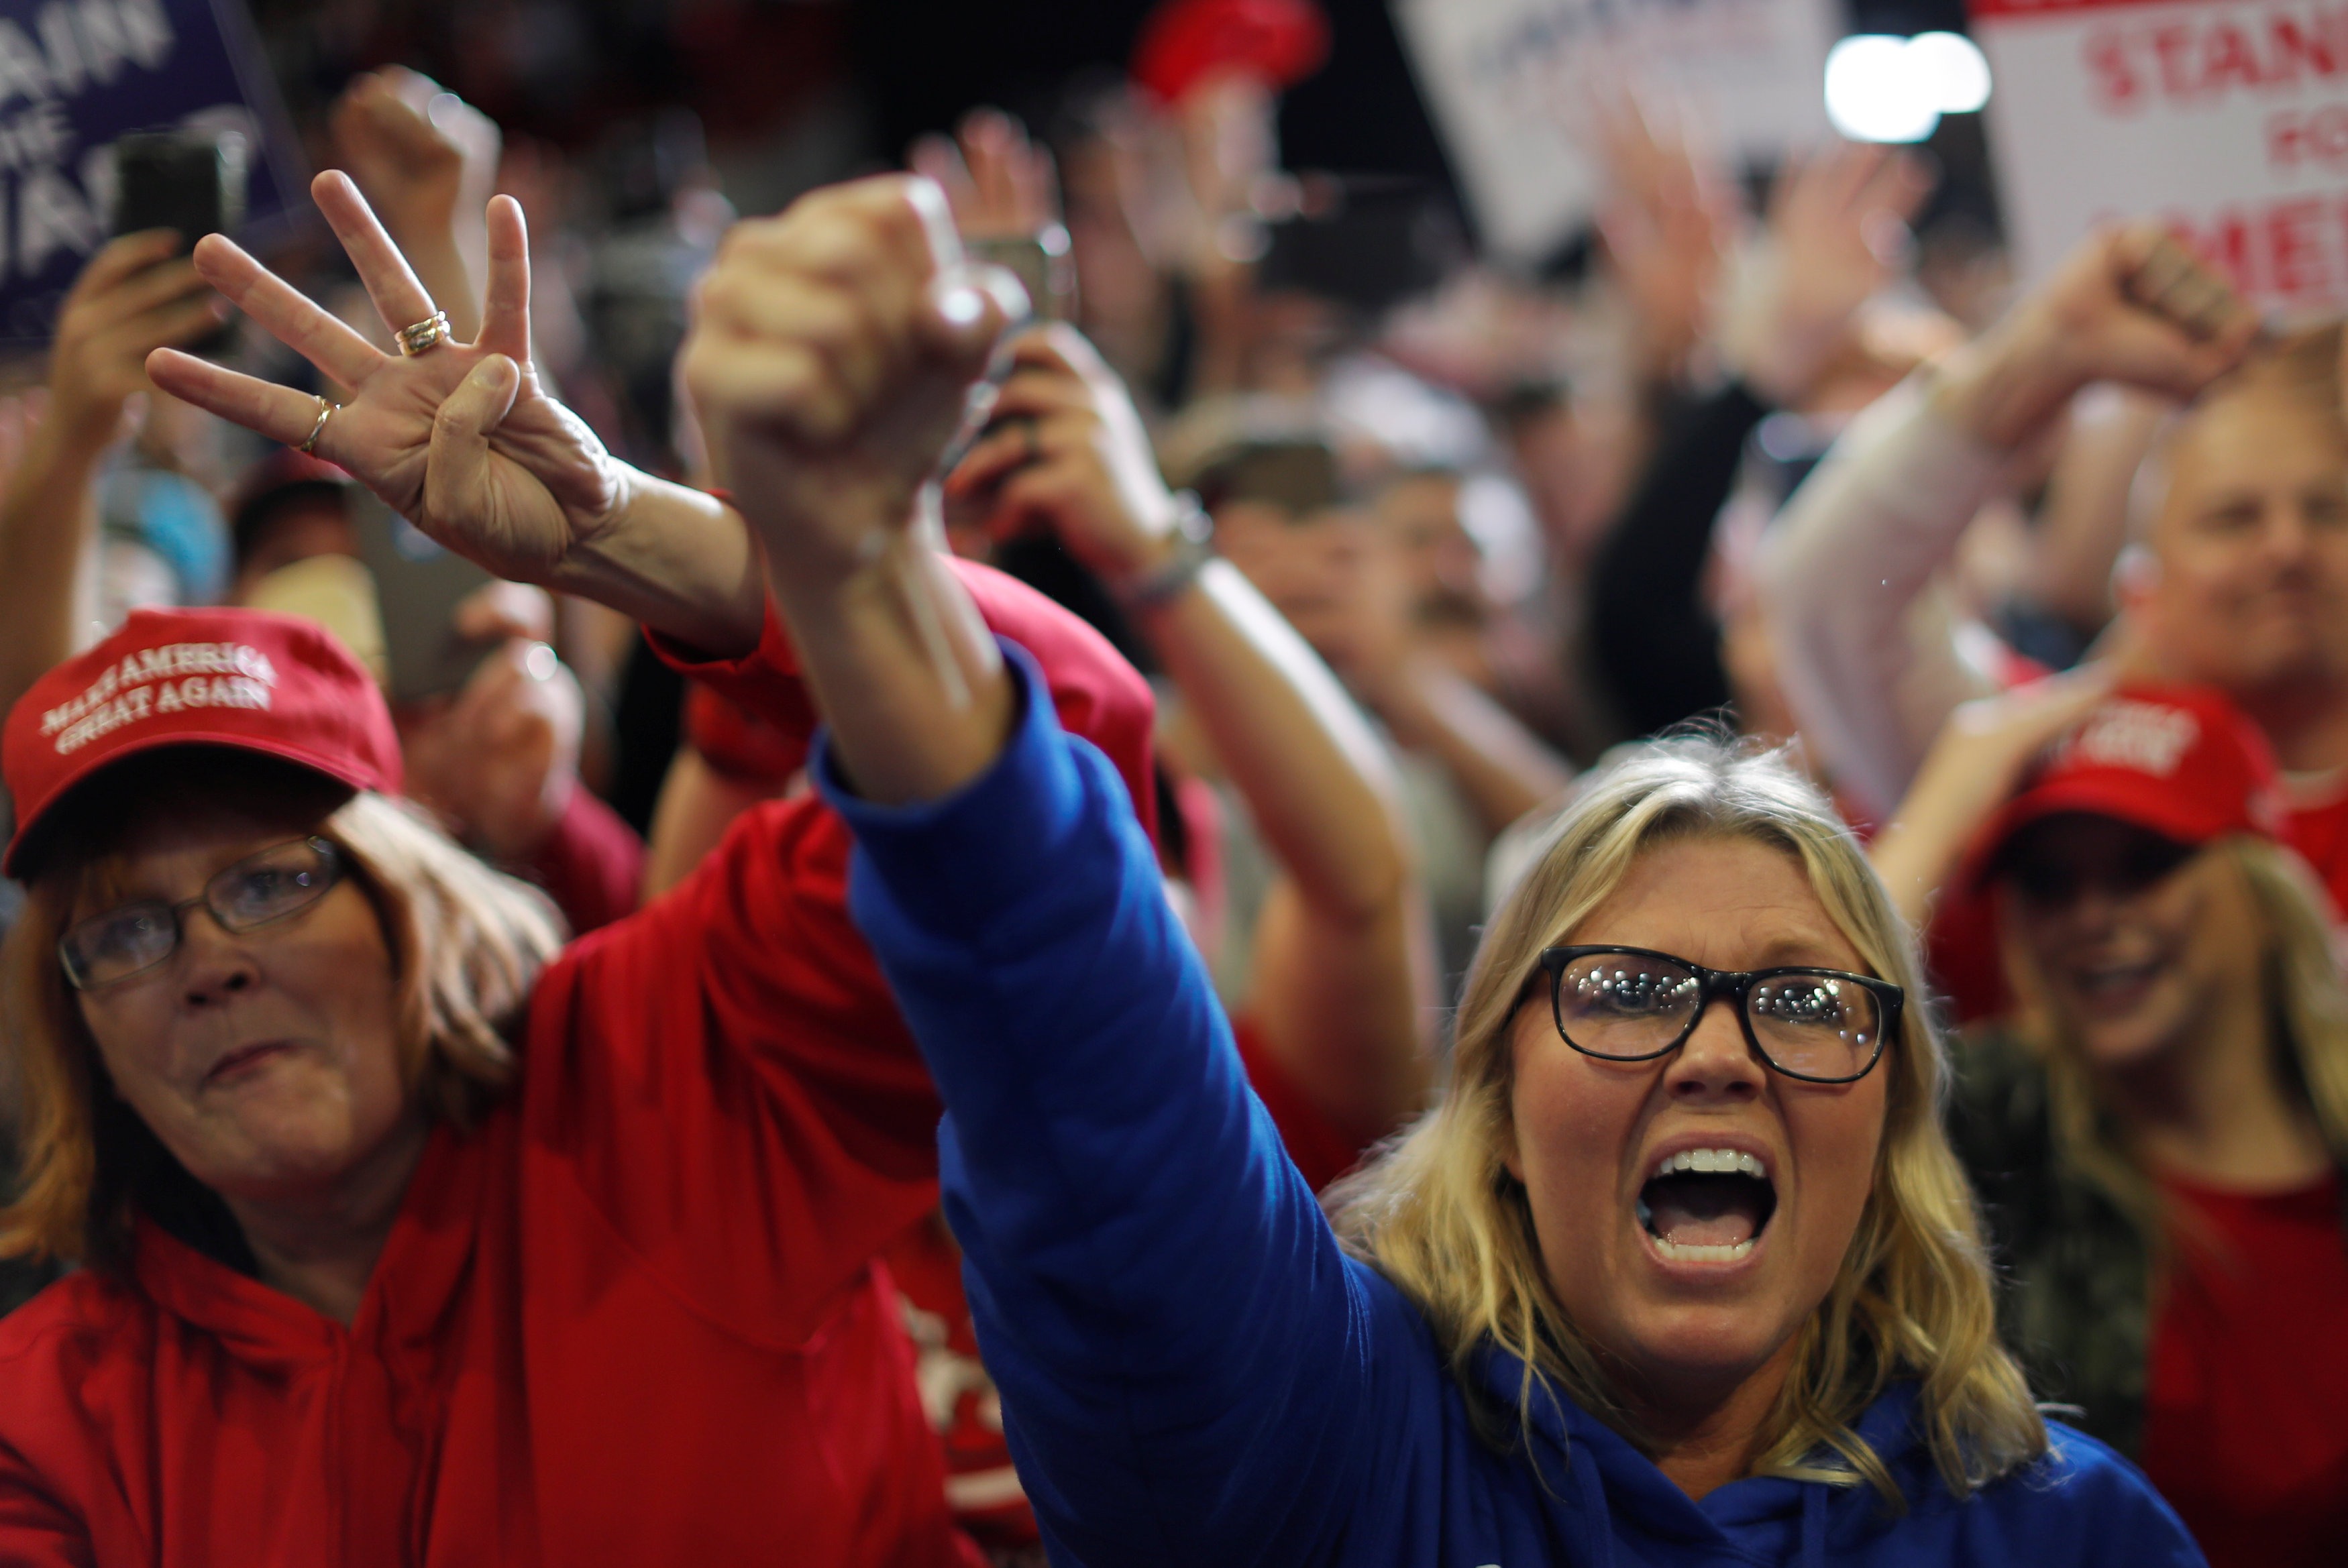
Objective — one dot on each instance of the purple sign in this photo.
(76, 73)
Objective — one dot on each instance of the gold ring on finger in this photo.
(325, 411)
(424, 334)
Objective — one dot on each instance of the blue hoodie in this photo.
(1193, 1375)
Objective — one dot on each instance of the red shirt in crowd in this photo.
(2245, 1381)
(2319, 831)
(2242, 1431)
(592, 864)
(633, 1317)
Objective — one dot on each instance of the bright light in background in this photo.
(1870, 93)
(1951, 69)
(1885, 88)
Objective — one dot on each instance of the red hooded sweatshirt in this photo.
(632, 1318)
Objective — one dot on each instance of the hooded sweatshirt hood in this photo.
(1635, 1513)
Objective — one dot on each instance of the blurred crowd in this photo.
(2047, 586)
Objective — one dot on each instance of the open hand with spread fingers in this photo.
(1669, 215)
(1837, 220)
(1000, 184)
(459, 438)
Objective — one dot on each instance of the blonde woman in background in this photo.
(2158, 1125)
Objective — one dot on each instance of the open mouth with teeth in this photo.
(2122, 983)
(1706, 1205)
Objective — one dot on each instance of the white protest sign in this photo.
(1510, 82)
(2225, 119)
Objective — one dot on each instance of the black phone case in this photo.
(183, 183)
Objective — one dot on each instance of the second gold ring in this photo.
(326, 411)
(424, 334)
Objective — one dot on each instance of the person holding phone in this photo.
(408, 1232)
(137, 295)
(1683, 1270)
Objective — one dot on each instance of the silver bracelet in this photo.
(1194, 547)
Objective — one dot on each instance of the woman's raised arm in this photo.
(462, 441)
(1159, 1296)
(1982, 752)
(1861, 541)
(834, 357)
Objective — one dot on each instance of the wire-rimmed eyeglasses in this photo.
(132, 939)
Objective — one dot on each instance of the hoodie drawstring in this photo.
(1814, 1525)
(1584, 1468)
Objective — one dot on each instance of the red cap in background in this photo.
(274, 684)
(1187, 42)
(2179, 760)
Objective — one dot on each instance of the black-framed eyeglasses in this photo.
(279, 881)
(1632, 1004)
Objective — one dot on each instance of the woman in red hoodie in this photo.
(412, 1236)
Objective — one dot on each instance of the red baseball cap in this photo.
(1185, 42)
(275, 684)
(2180, 761)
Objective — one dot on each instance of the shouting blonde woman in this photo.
(1683, 1271)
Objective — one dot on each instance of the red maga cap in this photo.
(275, 684)
(2180, 761)
(1185, 41)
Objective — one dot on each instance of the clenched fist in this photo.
(2128, 306)
(831, 359)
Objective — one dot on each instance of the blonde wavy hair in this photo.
(2307, 1005)
(1443, 1219)
(467, 943)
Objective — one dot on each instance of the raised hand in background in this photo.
(1067, 455)
(134, 297)
(1228, 132)
(426, 161)
(1668, 220)
(2127, 305)
(499, 760)
(1979, 759)
(998, 183)
(1837, 229)
(1342, 986)
(1004, 192)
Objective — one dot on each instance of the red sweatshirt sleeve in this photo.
(592, 864)
(1314, 1144)
(36, 1531)
(725, 1073)
(1098, 695)
(739, 744)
